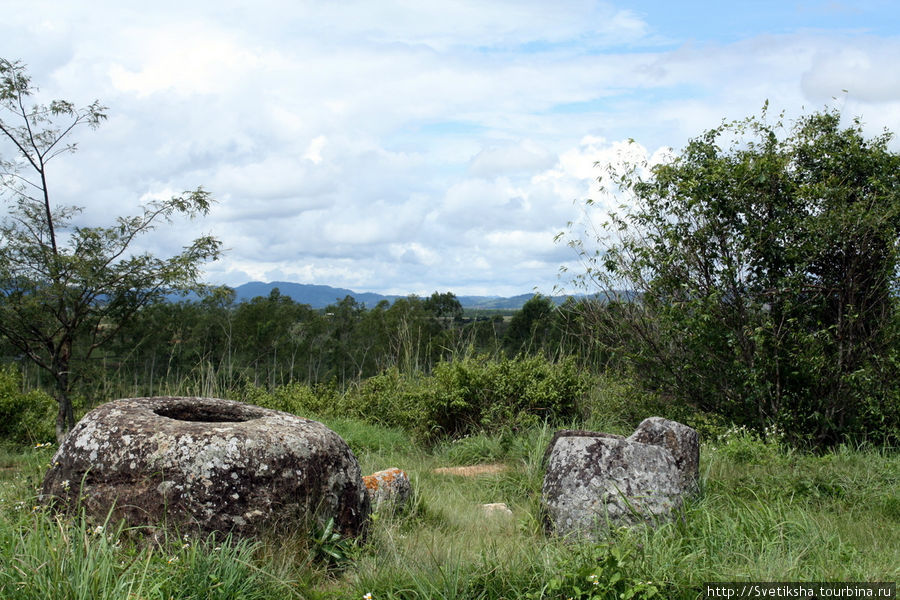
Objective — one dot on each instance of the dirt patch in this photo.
(473, 470)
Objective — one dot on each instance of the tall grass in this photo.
(764, 513)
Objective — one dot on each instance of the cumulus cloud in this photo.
(184, 59)
(867, 73)
(406, 147)
(525, 156)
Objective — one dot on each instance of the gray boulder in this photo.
(206, 465)
(592, 482)
(682, 441)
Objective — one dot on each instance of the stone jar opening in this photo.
(200, 413)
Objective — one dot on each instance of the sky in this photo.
(402, 146)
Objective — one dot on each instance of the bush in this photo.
(745, 446)
(461, 397)
(477, 393)
(25, 417)
(295, 398)
(470, 395)
(391, 399)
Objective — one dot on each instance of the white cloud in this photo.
(314, 150)
(186, 59)
(525, 156)
(404, 146)
(415, 253)
(866, 73)
(442, 26)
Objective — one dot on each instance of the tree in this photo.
(446, 307)
(761, 271)
(531, 326)
(65, 289)
(271, 331)
(347, 354)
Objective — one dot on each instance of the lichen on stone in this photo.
(207, 465)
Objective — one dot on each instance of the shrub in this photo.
(390, 399)
(25, 417)
(295, 398)
(478, 393)
(746, 446)
(618, 403)
(472, 394)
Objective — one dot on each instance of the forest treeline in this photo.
(273, 340)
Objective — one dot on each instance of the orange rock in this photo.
(388, 489)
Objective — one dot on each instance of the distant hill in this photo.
(320, 296)
(317, 296)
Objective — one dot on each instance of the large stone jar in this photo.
(595, 480)
(207, 465)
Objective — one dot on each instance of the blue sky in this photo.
(400, 146)
(729, 22)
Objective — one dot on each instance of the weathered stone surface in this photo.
(574, 433)
(682, 441)
(206, 465)
(591, 482)
(388, 489)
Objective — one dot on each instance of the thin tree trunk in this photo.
(65, 417)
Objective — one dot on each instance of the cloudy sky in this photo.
(408, 146)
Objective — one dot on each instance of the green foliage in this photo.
(597, 573)
(443, 306)
(329, 546)
(744, 446)
(762, 270)
(472, 394)
(25, 417)
(272, 341)
(215, 570)
(474, 449)
(617, 403)
(389, 399)
(54, 558)
(531, 327)
(295, 398)
(475, 393)
(365, 437)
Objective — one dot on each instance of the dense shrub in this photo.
(295, 398)
(25, 417)
(472, 394)
(390, 399)
(477, 393)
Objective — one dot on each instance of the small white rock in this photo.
(496, 508)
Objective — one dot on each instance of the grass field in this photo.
(763, 514)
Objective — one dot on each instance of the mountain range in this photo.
(320, 296)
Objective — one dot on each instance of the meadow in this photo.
(765, 512)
